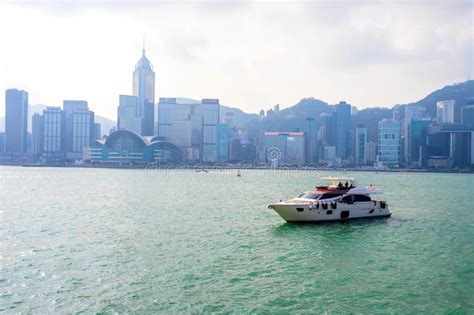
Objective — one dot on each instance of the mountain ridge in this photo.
(294, 117)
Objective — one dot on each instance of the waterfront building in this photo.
(396, 115)
(360, 147)
(445, 112)
(343, 125)
(276, 110)
(223, 142)
(371, 151)
(144, 90)
(284, 148)
(312, 145)
(79, 126)
(234, 150)
(2, 142)
(329, 153)
(192, 127)
(389, 142)
(247, 150)
(128, 118)
(210, 115)
(16, 121)
(54, 130)
(411, 112)
(416, 138)
(97, 131)
(328, 129)
(467, 114)
(453, 143)
(126, 148)
(83, 130)
(37, 134)
(229, 119)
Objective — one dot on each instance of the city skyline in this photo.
(195, 59)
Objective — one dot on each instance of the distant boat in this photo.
(201, 171)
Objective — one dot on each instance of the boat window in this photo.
(309, 196)
(361, 198)
(328, 196)
(355, 198)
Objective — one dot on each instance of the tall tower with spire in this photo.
(144, 89)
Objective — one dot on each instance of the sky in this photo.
(250, 55)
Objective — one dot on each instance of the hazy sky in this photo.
(251, 55)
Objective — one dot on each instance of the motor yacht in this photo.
(340, 200)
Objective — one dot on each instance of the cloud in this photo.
(248, 53)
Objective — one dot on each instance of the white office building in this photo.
(389, 142)
(128, 117)
(361, 146)
(53, 130)
(191, 126)
(445, 112)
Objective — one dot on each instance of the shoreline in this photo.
(243, 167)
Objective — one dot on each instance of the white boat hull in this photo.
(292, 212)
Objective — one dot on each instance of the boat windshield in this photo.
(309, 196)
(329, 196)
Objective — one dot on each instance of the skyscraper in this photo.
(79, 125)
(360, 145)
(343, 125)
(468, 114)
(445, 112)
(127, 117)
(416, 138)
(97, 131)
(37, 134)
(389, 142)
(411, 113)
(54, 130)
(284, 147)
(223, 142)
(16, 120)
(371, 151)
(192, 127)
(144, 89)
(210, 115)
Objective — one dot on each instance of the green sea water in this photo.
(174, 241)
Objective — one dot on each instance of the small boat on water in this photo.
(342, 199)
(202, 171)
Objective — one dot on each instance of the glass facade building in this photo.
(210, 115)
(128, 118)
(192, 127)
(82, 130)
(144, 90)
(284, 148)
(343, 126)
(79, 125)
(467, 116)
(416, 138)
(360, 146)
(37, 134)
(53, 131)
(389, 142)
(16, 121)
(223, 142)
(445, 112)
(411, 113)
(123, 147)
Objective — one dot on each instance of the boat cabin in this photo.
(339, 182)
